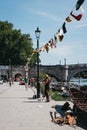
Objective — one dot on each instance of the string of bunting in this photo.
(59, 35)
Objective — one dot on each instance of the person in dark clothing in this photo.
(66, 106)
(47, 87)
(10, 82)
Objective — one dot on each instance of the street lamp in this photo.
(9, 68)
(37, 33)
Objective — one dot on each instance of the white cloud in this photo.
(44, 14)
(61, 50)
(47, 15)
(82, 25)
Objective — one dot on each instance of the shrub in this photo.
(55, 96)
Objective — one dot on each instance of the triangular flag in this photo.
(64, 28)
(60, 37)
(55, 37)
(82, 9)
(36, 51)
(60, 31)
(79, 3)
(78, 17)
(28, 59)
(60, 34)
(68, 19)
(47, 47)
(42, 48)
(52, 43)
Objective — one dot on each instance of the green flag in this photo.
(79, 3)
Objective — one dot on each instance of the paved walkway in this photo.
(18, 111)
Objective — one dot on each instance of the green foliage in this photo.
(55, 96)
(42, 76)
(14, 45)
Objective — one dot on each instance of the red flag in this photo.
(77, 17)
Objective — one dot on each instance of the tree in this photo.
(14, 45)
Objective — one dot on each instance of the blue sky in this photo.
(49, 15)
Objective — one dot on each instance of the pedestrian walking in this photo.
(10, 82)
(26, 83)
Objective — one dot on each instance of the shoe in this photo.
(47, 101)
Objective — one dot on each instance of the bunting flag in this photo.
(42, 48)
(68, 19)
(78, 17)
(79, 3)
(60, 34)
(36, 51)
(52, 43)
(82, 9)
(60, 37)
(55, 37)
(30, 57)
(47, 47)
(64, 28)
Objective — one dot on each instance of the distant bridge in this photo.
(60, 72)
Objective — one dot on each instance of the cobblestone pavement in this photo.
(18, 111)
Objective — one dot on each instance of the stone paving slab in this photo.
(18, 111)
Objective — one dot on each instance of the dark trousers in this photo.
(47, 94)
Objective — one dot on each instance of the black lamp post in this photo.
(37, 33)
(9, 68)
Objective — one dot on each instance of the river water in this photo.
(80, 82)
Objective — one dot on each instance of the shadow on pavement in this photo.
(81, 117)
(32, 100)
